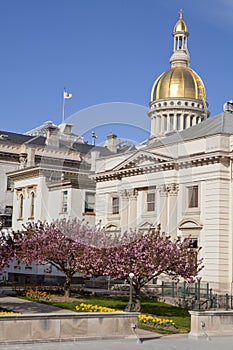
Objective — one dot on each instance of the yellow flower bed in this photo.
(94, 308)
(37, 295)
(143, 319)
(9, 313)
(155, 321)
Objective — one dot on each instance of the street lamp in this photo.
(130, 306)
(198, 278)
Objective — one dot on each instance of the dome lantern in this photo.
(180, 56)
(180, 25)
(178, 96)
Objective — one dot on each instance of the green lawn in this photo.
(180, 316)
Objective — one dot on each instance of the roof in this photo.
(220, 124)
(178, 82)
(180, 25)
(7, 137)
(11, 137)
(86, 148)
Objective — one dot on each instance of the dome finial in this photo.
(181, 14)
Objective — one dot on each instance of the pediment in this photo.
(142, 159)
(190, 224)
(146, 226)
(111, 227)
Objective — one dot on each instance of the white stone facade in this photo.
(185, 186)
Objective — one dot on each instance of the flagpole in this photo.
(65, 96)
(63, 107)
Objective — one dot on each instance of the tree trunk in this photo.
(67, 286)
(137, 290)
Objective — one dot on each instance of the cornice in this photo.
(183, 162)
(25, 173)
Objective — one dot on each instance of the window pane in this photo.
(21, 206)
(193, 197)
(89, 202)
(115, 205)
(10, 184)
(151, 201)
(32, 204)
(64, 201)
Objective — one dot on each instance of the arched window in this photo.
(32, 205)
(21, 206)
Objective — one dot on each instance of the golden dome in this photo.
(180, 25)
(178, 82)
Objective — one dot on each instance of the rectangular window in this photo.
(9, 184)
(7, 217)
(64, 201)
(151, 201)
(89, 202)
(115, 205)
(193, 197)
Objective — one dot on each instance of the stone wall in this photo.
(211, 323)
(25, 328)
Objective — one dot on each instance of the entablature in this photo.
(118, 173)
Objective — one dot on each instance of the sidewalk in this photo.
(28, 307)
(165, 343)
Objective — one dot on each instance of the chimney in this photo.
(111, 143)
(66, 128)
(94, 156)
(228, 107)
(52, 138)
(30, 157)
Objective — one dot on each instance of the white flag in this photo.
(67, 95)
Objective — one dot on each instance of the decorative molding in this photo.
(132, 193)
(22, 160)
(30, 189)
(190, 224)
(140, 157)
(26, 191)
(173, 189)
(163, 190)
(123, 194)
(153, 167)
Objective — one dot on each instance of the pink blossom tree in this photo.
(148, 257)
(7, 246)
(59, 244)
(72, 246)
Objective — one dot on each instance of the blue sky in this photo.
(104, 51)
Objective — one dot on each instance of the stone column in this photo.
(153, 126)
(132, 210)
(162, 213)
(181, 122)
(172, 189)
(175, 121)
(162, 124)
(124, 206)
(188, 121)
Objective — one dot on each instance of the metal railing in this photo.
(189, 291)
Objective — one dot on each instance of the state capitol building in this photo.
(180, 179)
